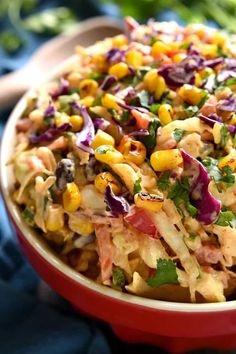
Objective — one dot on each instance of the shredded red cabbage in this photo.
(209, 121)
(108, 82)
(117, 205)
(85, 137)
(129, 108)
(61, 90)
(208, 206)
(225, 75)
(128, 92)
(100, 123)
(228, 105)
(115, 55)
(209, 83)
(140, 132)
(214, 62)
(49, 134)
(50, 110)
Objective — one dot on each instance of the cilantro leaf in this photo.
(137, 186)
(231, 81)
(191, 110)
(150, 140)
(178, 134)
(103, 149)
(165, 274)
(192, 210)
(226, 218)
(155, 107)
(28, 216)
(118, 277)
(143, 97)
(224, 135)
(163, 182)
(227, 175)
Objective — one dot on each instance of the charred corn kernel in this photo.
(104, 179)
(134, 151)
(77, 122)
(233, 120)
(160, 48)
(165, 113)
(87, 101)
(177, 58)
(206, 72)
(108, 154)
(166, 159)
(102, 138)
(119, 41)
(88, 87)
(151, 202)
(119, 70)
(81, 225)
(74, 80)
(191, 94)
(209, 50)
(134, 58)
(155, 83)
(228, 160)
(61, 118)
(110, 101)
(71, 197)
(198, 80)
(55, 218)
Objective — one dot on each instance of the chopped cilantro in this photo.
(150, 140)
(178, 134)
(28, 216)
(163, 182)
(203, 100)
(165, 274)
(66, 100)
(47, 120)
(137, 186)
(224, 135)
(227, 175)
(143, 97)
(118, 277)
(103, 149)
(191, 110)
(97, 101)
(192, 210)
(226, 218)
(97, 76)
(155, 107)
(231, 81)
(124, 117)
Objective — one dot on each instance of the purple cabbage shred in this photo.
(117, 205)
(50, 134)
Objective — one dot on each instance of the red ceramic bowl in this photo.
(177, 327)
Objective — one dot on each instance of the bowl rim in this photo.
(52, 259)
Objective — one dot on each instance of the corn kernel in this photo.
(100, 61)
(71, 197)
(228, 160)
(108, 154)
(119, 41)
(209, 50)
(191, 94)
(81, 225)
(206, 72)
(219, 38)
(160, 48)
(87, 101)
(74, 80)
(177, 58)
(134, 151)
(216, 132)
(155, 83)
(198, 80)
(134, 58)
(104, 179)
(192, 38)
(102, 138)
(61, 118)
(119, 70)
(110, 101)
(151, 202)
(77, 122)
(166, 159)
(165, 113)
(55, 218)
(233, 120)
(88, 87)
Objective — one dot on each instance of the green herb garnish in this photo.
(163, 182)
(143, 97)
(118, 277)
(224, 135)
(165, 274)
(150, 140)
(178, 134)
(137, 186)
(103, 149)
(28, 216)
(226, 218)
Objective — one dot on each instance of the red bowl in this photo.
(177, 327)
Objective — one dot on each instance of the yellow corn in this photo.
(81, 225)
(166, 159)
(100, 61)
(192, 38)
(165, 113)
(134, 58)
(119, 70)
(119, 41)
(191, 94)
(55, 218)
(160, 48)
(77, 122)
(61, 118)
(110, 101)
(134, 151)
(219, 38)
(104, 179)
(228, 160)
(88, 87)
(151, 202)
(209, 50)
(233, 120)
(71, 197)
(155, 83)
(198, 80)
(74, 79)
(177, 58)
(108, 154)
(87, 101)
(102, 138)
(206, 72)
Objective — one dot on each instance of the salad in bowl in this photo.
(126, 163)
